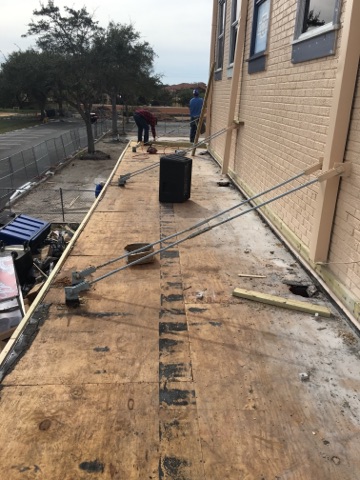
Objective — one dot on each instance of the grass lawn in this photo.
(15, 122)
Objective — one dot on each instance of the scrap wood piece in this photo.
(73, 201)
(4, 336)
(282, 302)
(250, 275)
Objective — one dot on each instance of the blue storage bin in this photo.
(25, 229)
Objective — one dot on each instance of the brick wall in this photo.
(286, 112)
(345, 244)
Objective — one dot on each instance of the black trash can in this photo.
(175, 178)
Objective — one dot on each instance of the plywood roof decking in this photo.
(162, 374)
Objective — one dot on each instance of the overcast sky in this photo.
(178, 31)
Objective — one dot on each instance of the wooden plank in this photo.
(282, 302)
(202, 114)
(250, 275)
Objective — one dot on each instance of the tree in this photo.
(70, 39)
(29, 77)
(162, 97)
(184, 96)
(312, 20)
(126, 65)
(11, 88)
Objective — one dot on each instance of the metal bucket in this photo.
(135, 256)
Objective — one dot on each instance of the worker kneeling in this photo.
(144, 119)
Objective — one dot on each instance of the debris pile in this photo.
(29, 267)
(44, 260)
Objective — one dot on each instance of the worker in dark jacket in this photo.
(144, 119)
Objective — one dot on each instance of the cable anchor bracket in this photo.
(342, 169)
(72, 293)
(79, 277)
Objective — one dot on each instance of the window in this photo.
(259, 35)
(234, 28)
(315, 30)
(220, 39)
(317, 13)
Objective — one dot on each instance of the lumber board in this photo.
(282, 302)
(7, 334)
(250, 275)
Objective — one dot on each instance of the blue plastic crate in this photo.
(25, 229)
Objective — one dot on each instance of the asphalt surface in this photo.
(18, 140)
(68, 193)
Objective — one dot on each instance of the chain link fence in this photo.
(58, 205)
(23, 170)
(177, 127)
(27, 166)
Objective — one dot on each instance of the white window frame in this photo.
(220, 44)
(235, 16)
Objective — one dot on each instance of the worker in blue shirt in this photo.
(195, 105)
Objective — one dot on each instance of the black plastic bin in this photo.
(175, 178)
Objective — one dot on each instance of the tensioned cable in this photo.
(202, 222)
(200, 232)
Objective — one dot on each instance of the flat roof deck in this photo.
(161, 373)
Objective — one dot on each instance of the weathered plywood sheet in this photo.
(80, 431)
(250, 397)
(160, 373)
(98, 347)
(114, 245)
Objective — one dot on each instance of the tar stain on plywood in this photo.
(174, 468)
(92, 466)
(178, 423)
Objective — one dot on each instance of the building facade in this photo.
(285, 87)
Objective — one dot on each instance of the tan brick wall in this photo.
(345, 244)
(286, 112)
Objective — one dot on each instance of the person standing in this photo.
(195, 106)
(144, 119)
